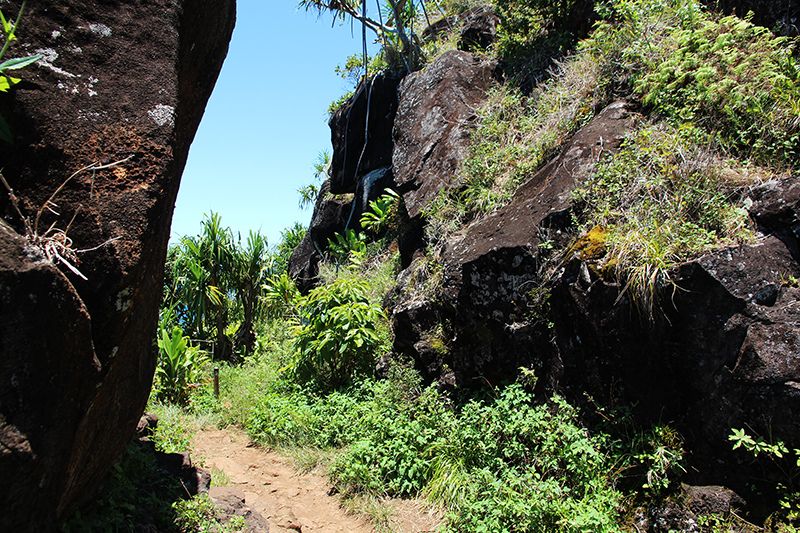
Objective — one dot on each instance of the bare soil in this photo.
(294, 502)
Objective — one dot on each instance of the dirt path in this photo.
(291, 502)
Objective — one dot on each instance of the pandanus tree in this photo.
(198, 283)
(398, 23)
(214, 251)
(250, 268)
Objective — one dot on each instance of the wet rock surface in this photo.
(355, 154)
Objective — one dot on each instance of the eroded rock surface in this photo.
(330, 216)
(118, 81)
(431, 129)
(490, 270)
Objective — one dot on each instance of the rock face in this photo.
(329, 218)
(724, 355)
(721, 349)
(431, 129)
(118, 81)
(355, 154)
(489, 272)
(722, 352)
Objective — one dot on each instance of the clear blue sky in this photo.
(266, 120)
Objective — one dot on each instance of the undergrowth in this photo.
(499, 464)
(662, 200)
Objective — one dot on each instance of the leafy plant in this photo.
(511, 465)
(250, 266)
(784, 460)
(528, 26)
(180, 365)
(291, 238)
(200, 514)
(349, 245)
(381, 210)
(281, 295)
(137, 492)
(6, 81)
(644, 458)
(338, 338)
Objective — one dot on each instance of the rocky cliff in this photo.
(120, 82)
(723, 351)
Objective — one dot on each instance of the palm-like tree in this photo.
(250, 268)
(214, 252)
(395, 25)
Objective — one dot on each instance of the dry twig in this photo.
(54, 243)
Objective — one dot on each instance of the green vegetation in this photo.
(783, 474)
(9, 29)
(663, 200)
(719, 103)
(180, 365)
(395, 437)
(338, 336)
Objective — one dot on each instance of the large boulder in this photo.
(490, 271)
(431, 130)
(723, 350)
(118, 81)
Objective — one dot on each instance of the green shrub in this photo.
(339, 337)
(381, 211)
(511, 465)
(282, 418)
(175, 430)
(735, 80)
(180, 366)
(388, 454)
(349, 245)
(731, 80)
(663, 200)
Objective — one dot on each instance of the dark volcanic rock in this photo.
(489, 271)
(355, 154)
(479, 30)
(230, 502)
(333, 215)
(329, 218)
(724, 354)
(118, 81)
(431, 131)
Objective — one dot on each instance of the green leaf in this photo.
(6, 82)
(5, 131)
(19, 62)
(7, 27)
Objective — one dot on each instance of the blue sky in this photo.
(265, 122)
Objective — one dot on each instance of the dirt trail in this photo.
(291, 502)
